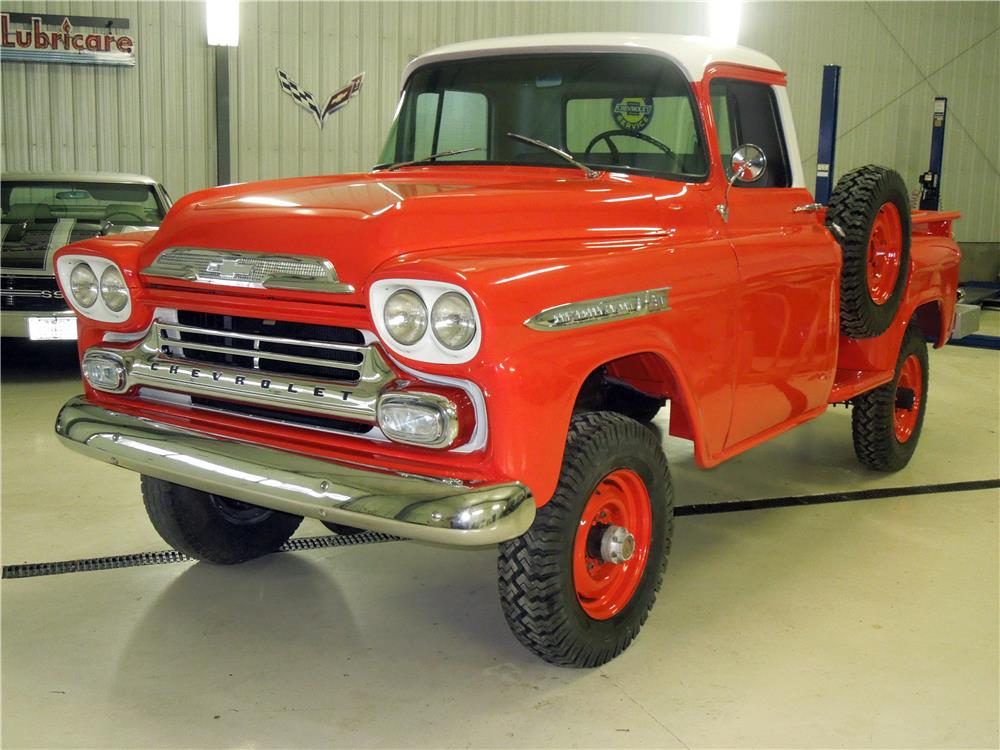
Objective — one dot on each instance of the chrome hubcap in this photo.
(617, 545)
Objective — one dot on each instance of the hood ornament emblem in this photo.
(308, 273)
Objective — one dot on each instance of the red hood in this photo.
(360, 221)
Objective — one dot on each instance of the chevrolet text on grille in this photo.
(265, 383)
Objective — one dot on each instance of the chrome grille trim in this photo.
(179, 346)
(178, 328)
(148, 365)
(252, 270)
(174, 399)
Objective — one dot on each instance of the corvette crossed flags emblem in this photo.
(305, 100)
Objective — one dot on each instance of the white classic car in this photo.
(43, 212)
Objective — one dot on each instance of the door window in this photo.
(747, 112)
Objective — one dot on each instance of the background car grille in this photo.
(31, 293)
(305, 349)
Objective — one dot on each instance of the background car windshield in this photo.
(86, 201)
(629, 111)
(41, 216)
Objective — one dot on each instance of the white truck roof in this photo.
(692, 53)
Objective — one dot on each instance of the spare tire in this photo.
(869, 214)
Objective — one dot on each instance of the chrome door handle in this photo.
(811, 207)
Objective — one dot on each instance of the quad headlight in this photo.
(449, 333)
(453, 321)
(95, 287)
(405, 316)
(114, 291)
(83, 285)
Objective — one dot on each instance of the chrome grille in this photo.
(279, 347)
(306, 374)
(29, 293)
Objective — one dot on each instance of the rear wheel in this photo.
(577, 587)
(213, 528)
(886, 421)
(869, 214)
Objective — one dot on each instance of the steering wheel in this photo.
(606, 136)
(129, 216)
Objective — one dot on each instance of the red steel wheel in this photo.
(909, 398)
(616, 524)
(885, 247)
(886, 421)
(869, 216)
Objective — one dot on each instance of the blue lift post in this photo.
(930, 181)
(827, 133)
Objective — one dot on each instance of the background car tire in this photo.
(539, 591)
(869, 214)
(885, 431)
(341, 530)
(212, 528)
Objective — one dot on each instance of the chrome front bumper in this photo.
(414, 507)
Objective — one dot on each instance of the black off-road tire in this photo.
(872, 423)
(341, 530)
(537, 590)
(853, 207)
(212, 528)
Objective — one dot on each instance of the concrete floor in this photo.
(863, 624)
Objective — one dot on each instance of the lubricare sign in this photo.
(29, 37)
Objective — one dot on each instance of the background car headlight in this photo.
(83, 284)
(114, 291)
(405, 317)
(452, 320)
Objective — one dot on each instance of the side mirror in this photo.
(748, 164)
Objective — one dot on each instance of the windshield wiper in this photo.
(432, 157)
(591, 174)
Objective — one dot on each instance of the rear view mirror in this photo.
(73, 195)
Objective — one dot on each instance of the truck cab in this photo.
(462, 345)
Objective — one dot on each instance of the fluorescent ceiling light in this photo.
(724, 21)
(222, 19)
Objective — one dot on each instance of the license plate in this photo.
(52, 329)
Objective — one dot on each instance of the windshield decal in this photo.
(633, 113)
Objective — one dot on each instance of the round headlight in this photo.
(453, 321)
(114, 291)
(405, 317)
(83, 285)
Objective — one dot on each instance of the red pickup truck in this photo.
(463, 345)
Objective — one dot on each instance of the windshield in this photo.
(86, 201)
(39, 217)
(628, 111)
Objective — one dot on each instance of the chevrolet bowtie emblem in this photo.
(229, 268)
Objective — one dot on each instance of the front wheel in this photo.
(886, 421)
(213, 528)
(578, 586)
